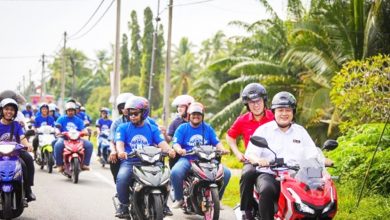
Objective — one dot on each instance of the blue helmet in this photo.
(140, 103)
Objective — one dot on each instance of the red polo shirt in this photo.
(246, 125)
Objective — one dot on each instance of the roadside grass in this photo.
(231, 196)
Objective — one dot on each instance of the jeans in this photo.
(179, 172)
(123, 181)
(59, 149)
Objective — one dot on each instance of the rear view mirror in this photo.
(330, 145)
(259, 141)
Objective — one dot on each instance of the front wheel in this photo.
(211, 207)
(75, 170)
(156, 207)
(50, 161)
(7, 205)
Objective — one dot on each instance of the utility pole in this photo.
(73, 65)
(24, 85)
(62, 104)
(116, 90)
(167, 79)
(153, 65)
(43, 77)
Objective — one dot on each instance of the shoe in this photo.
(167, 211)
(85, 167)
(60, 169)
(122, 211)
(30, 196)
(247, 215)
(177, 204)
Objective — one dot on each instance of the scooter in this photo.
(104, 147)
(202, 184)
(46, 135)
(12, 194)
(307, 190)
(149, 186)
(73, 154)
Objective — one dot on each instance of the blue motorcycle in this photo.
(104, 147)
(12, 201)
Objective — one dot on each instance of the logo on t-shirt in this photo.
(196, 140)
(71, 126)
(138, 141)
(105, 127)
(5, 137)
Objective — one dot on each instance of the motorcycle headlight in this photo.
(73, 135)
(7, 149)
(299, 205)
(328, 207)
(150, 159)
(205, 156)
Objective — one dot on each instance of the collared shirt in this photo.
(246, 124)
(68, 123)
(293, 145)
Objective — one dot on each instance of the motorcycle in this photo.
(307, 190)
(104, 147)
(73, 154)
(12, 194)
(203, 182)
(44, 155)
(149, 185)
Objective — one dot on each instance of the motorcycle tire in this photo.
(75, 170)
(7, 205)
(50, 161)
(156, 207)
(213, 211)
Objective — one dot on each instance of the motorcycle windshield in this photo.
(312, 171)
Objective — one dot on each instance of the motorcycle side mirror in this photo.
(330, 145)
(259, 141)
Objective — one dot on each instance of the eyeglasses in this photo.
(258, 102)
(134, 114)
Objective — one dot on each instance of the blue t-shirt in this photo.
(86, 117)
(27, 114)
(151, 121)
(40, 121)
(103, 124)
(189, 137)
(137, 137)
(69, 123)
(5, 132)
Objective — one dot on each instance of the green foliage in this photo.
(361, 91)
(231, 197)
(124, 56)
(354, 153)
(147, 46)
(135, 52)
(99, 98)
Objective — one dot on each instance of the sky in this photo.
(30, 28)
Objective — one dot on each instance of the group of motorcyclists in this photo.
(134, 129)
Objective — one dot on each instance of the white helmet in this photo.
(52, 107)
(122, 98)
(70, 105)
(183, 100)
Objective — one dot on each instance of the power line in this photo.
(192, 3)
(89, 19)
(101, 17)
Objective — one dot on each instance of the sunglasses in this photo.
(134, 114)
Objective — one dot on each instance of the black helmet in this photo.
(15, 95)
(253, 91)
(284, 100)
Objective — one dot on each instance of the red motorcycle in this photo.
(73, 154)
(306, 190)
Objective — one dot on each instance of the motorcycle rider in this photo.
(42, 119)
(129, 136)
(120, 104)
(65, 123)
(12, 131)
(103, 123)
(28, 113)
(53, 112)
(181, 103)
(187, 136)
(254, 97)
(288, 140)
(87, 117)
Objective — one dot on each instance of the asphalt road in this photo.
(58, 198)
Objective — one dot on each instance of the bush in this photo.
(360, 91)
